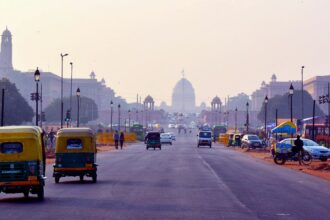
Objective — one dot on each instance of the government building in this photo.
(51, 83)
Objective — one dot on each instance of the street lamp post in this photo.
(129, 120)
(247, 117)
(37, 79)
(137, 116)
(111, 109)
(118, 117)
(3, 107)
(71, 64)
(78, 105)
(62, 56)
(302, 93)
(266, 103)
(236, 120)
(291, 90)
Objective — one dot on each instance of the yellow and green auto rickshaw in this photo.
(75, 154)
(22, 160)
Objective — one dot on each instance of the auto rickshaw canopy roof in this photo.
(85, 135)
(29, 136)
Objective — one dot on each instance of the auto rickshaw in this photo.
(237, 140)
(75, 154)
(152, 140)
(22, 160)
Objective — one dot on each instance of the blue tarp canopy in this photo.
(285, 128)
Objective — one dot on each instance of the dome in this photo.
(148, 99)
(216, 100)
(183, 97)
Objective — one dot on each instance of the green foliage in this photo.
(16, 108)
(282, 103)
(88, 110)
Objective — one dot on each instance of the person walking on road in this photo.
(121, 139)
(299, 144)
(116, 138)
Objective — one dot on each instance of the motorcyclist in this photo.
(298, 148)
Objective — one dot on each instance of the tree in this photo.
(16, 108)
(88, 110)
(282, 103)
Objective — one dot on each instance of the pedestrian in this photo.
(121, 139)
(116, 138)
(51, 137)
(298, 148)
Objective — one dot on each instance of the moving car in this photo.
(317, 151)
(251, 141)
(75, 154)
(166, 138)
(152, 140)
(204, 139)
(23, 160)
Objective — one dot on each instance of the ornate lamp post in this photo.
(266, 103)
(111, 109)
(78, 105)
(37, 79)
(236, 120)
(247, 117)
(62, 56)
(71, 64)
(291, 90)
(118, 117)
(129, 120)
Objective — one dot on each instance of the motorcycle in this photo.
(281, 157)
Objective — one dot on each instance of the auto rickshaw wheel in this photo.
(57, 179)
(94, 178)
(26, 194)
(41, 193)
(81, 177)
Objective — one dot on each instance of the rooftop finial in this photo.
(182, 73)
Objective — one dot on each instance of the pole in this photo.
(313, 128)
(78, 110)
(276, 118)
(71, 92)
(236, 120)
(265, 120)
(328, 114)
(118, 118)
(62, 91)
(129, 122)
(302, 94)
(291, 115)
(111, 109)
(41, 105)
(37, 99)
(2, 107)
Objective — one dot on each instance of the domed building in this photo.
(183, 97)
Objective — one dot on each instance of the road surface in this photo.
(179, 182)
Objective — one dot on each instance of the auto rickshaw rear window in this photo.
(74, 144)
(11, 147)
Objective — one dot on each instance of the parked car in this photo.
(172, 135)
(166, 138)
(204, 139)
(171, 125)
(317, 151)
(251, 141)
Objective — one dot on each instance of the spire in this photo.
(182, 73)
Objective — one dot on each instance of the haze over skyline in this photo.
(225, 46)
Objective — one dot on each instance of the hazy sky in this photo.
(141, 46)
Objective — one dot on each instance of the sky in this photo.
(141, 46)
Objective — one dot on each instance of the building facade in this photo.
(51, 83)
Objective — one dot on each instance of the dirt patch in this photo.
(316, 168)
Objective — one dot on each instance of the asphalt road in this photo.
(179, 182)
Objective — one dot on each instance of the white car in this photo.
(166, 138)
(171, 125)
(317, 151)
(172, 135)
